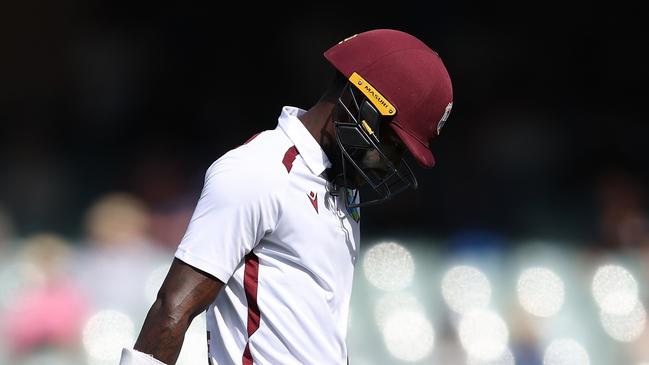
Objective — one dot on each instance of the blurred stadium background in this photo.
(528, 243)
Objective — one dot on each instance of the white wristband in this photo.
(135, 357)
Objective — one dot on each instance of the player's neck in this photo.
(317, 121)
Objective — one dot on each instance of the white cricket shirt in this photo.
(267, 227)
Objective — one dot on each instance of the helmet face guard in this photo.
(358, 125)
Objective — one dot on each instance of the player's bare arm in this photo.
(185, 293)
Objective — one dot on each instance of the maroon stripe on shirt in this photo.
(247, 357)
(250, 281)
(289, 157)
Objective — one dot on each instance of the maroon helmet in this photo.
(403, 78)
(393, 79)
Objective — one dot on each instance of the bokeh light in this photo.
(506, 358)
(565, 352)
(106, 333)
(615, 290)
(483, 334)
(409, 335)
(540, 292)
(465, 288)
(392, 302)
(626, 327)
(389, 266)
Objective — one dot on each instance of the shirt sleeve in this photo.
(237, 207)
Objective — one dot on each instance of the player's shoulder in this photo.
(263, 147)
(259, 161)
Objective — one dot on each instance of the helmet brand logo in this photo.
(379, 101)
(376, 96)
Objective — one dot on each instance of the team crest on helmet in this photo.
(442, 121)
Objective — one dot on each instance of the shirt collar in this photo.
(310, 150)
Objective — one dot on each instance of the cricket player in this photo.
(270, 250)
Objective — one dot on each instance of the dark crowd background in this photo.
(111, 112)
(548, 118)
